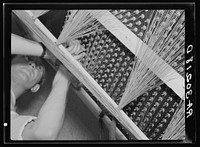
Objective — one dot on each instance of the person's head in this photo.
(27, 72)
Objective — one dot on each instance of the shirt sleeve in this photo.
(18, 122)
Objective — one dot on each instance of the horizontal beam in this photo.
(79, 72)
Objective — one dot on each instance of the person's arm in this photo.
(23, 46)
(51, 115)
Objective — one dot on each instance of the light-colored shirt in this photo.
(18, 122)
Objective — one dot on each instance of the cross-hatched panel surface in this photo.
(108, 62)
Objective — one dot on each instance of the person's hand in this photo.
(75, 49)
(48, 55)
(63, 76)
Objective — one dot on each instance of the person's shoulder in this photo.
(31, 133)
(28, 130)
(19, 123)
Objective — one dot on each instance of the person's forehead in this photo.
(18, 59)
